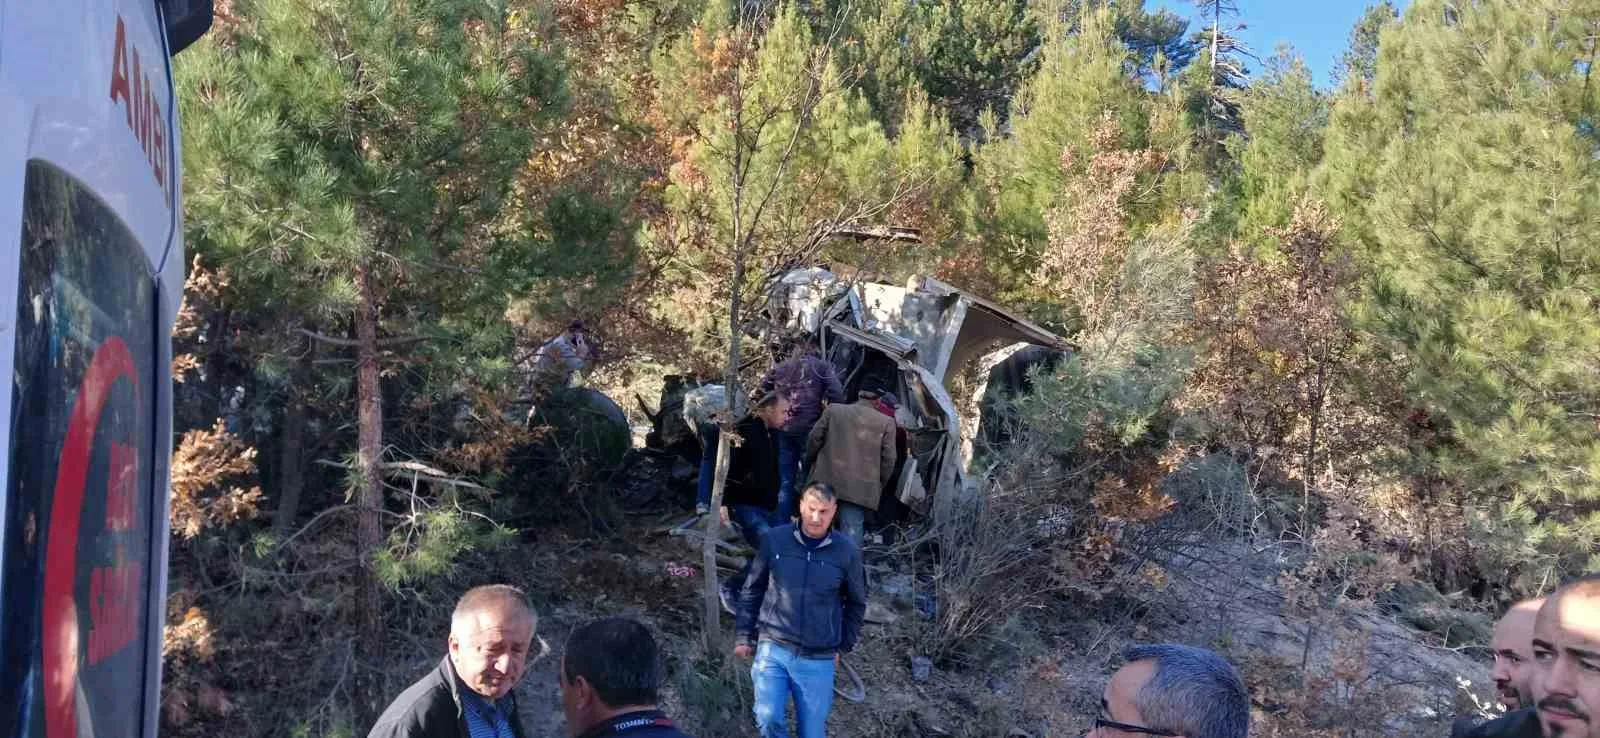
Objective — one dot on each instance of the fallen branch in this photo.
(695, 535)
(352, 343)
(412, 468)
(877, 233)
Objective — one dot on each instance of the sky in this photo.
(1318, 29)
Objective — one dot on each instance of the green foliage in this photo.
(966, 57)
(1159, 40)
(1113, 388)
(1210, 86)
(1463, 180)
(1359, 63)
(430, 544)
(1117, 399)
(1285, 117)
(978, 57)
(1082, 78)
(322, 130)
(779, 148)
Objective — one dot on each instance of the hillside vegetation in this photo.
(1336, 398)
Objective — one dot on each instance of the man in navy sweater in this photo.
(610, 674)
(802, 606)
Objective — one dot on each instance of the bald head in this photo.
(497, 599)
(491, 633)
(1566, 661)
(1513, 654)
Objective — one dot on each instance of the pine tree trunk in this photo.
(1216, 31)
(730, 374)
(369, 500)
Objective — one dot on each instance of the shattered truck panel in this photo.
(984, 326)
(906, 314)
(940, 466)
(907, 338)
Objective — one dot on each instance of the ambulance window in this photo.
(78, 530)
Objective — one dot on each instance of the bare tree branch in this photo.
(349, 343)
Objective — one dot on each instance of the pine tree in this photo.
(1159, 40)
(1467, 180)
(352, 161)
(886, 48)
(1284, 117)
(1085, 74)
(775, 149)
(1213, 83)
(1359, 63)
(979, 56)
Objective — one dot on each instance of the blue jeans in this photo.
(752, 522)
(853, 521)
(778, 673)
(791, 455)
(708, 463)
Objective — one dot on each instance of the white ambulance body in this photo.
(89, 185)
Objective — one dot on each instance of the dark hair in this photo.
(767, 400)
(576, 326)
(619, 659)
(804, 344)
(820, 489)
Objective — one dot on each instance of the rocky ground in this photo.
(1377, 675)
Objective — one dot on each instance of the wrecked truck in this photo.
(909, 338)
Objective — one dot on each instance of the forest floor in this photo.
(1365, 673)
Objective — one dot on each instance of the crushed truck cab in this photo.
(909, 338)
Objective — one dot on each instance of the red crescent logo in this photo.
(112, 361)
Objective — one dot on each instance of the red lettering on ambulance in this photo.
(122, 486)
(132, 87)
(119, 69)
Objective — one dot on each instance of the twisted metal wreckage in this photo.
(909, 338)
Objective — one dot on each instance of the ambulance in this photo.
(89, 184)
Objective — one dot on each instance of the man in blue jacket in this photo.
(802, 606)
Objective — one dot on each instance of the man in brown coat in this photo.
(852, 449)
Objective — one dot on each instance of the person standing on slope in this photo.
(803, 382)
(802, 607)
(851, 449)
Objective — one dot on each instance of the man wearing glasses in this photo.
(1172, 690)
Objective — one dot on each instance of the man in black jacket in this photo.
(1512, 646)
(610, 674)
(802, 605)
(1517, 724)
(751, 492)
(1566, 657)
(469, 694)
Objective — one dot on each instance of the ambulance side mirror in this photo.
(187, 21)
